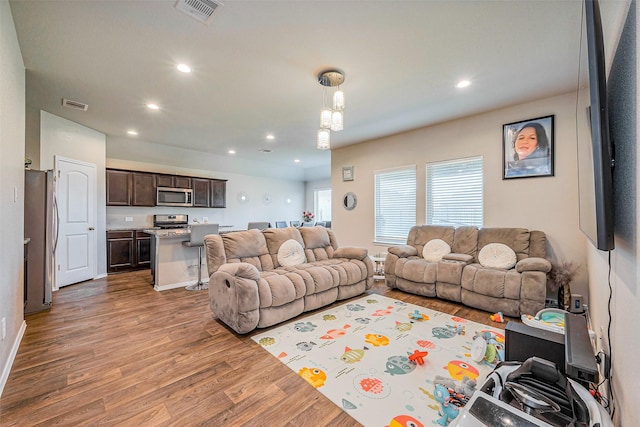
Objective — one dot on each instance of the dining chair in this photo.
(281, 224)
(294, 223)
(258, 225)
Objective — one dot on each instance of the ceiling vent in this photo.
(201, 10)
(76, 105)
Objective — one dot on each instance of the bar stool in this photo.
(198, 231)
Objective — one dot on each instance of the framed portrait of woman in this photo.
(528, 148)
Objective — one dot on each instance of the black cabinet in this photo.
(118, 188)
(218, 194)
(131, 188)
(128, 250)
(201, 195)
(173, 181)
(144, 189)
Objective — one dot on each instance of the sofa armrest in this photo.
(403, 251)
(350, 253)
(241, 269)
(533, 264)
(467, 259)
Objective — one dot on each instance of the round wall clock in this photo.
(266, 198)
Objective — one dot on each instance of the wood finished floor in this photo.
(115, 352)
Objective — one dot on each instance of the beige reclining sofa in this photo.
(260, 278)
(510, 275)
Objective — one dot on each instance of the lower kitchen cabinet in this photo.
(128, 250)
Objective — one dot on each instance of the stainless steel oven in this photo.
(167, 196)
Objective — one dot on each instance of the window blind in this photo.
(455, 192)
(395, 204)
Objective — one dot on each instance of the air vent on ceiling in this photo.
(265, 150)
(201, 10)
(76, 105)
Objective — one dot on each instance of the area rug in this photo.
(386, 362)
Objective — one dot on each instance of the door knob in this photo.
(91, 228)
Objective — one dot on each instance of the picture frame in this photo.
(347, 173)
(528, 148)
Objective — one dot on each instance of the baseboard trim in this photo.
(12, 356)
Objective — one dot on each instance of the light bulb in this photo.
(337, 121)
(323, 142)
(338, 100)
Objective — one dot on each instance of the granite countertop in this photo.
(175, 232)
(132, 228)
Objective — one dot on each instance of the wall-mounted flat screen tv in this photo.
(595, 153)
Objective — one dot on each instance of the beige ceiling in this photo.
(255, 66)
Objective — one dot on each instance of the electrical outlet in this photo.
(4, 328)
(128, 218)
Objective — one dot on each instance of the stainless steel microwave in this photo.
(167, 196)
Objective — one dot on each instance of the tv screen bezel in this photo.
(599, 124)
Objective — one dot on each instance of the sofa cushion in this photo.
(291, 253)
(516, 238)
(435, 249)
(317, 243)
(275, 237)
(497, 255)
(247, 246)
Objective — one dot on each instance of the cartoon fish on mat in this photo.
(458, 369)
(329, 317)
(403, 327)
(305, 345)
(351, 355)
(314, 376)
(348, 405)
(372, 385)
(304, 326)
(332, 334)
(440, 332)
(363, 320)
(399, 365)
(355, 307)
(426, 344)
(404, 421)
(383, 311)
(377, 340)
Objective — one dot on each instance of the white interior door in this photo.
(76, 252)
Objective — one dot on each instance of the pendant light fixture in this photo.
(331, 119)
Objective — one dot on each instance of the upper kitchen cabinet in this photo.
(218, 193)
(201, 195)
(173, 181)
(118, 188)
(144, 189)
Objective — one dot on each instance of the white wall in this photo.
(62, 137)
(236, 214)
(12, 129)
(545, 203)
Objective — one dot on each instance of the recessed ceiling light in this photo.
(153, 106)
(132, 132)
(463, 83)
(184, 68)
(297, 160)
(270, 137)
(231, 151)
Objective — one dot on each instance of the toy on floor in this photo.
(416, 315)
(448, 410)
(497, 317)
(418, 356)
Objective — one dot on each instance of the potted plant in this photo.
(307, 216)
(559, 279)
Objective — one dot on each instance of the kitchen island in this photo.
(174, 265)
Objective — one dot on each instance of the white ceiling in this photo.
(255, 66)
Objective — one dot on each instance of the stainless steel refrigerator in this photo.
(41, 226)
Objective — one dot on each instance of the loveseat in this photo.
(455, 267)
(260, 278)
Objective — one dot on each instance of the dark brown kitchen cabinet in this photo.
(128, 250)
(119, 251)
(143, 250)
(218, 194)
(118, 188)
(143, 189)
(173, 181)
(201, 194)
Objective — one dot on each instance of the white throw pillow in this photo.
(291, 253)
(497, 255)
(435, 249)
